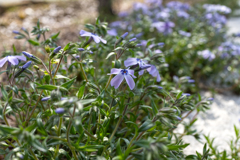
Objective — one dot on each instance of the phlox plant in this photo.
(194, 36)
(102, 97)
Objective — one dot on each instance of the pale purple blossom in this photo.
(164, 27)
(134, 61)
(154, 72)
(217, 8)
(95, 37)
(57, 49)
(206, 54)
(45, 98)
(112, 32)
(14, 60)
(60, 110)
(183, 33)
(121, 74)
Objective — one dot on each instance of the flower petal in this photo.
(117, 80)
(115, 71)
(96, 38)
(13, 60)
(158, 78)
(103, 40)
(130, 62)
(130, 81)
(3, 61)
(85, 33)
(22, 58)
(141, 72)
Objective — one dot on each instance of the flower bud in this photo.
(45, 98)
(133, 39)
(47, 49)
(16, 32)
(26, 65)
(57, 49)
(56, 95)
(31, 57)
(81, 49)
(60, 110)
(36, 67)
(124, 35)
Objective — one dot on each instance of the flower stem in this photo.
(83, 72)
(109, 80)
(58, 66)
(34, 109)
(58, 134)
(4, 115)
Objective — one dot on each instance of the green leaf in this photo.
(55, 35)
(110, 54)
(7, 130)
(87, 101)
(176, 147)
(61, 77)
(47, 87)
(41, 127)
(36, 144)
(179, 95)
(68, 84)
(51, 87)
(35, 43)
(119, 151)
(146, 126)
(3, 71)
(66, 47)
(4, 93)
(143, 143)
(154, 107)
(81, 91)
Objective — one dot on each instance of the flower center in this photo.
(124, 72)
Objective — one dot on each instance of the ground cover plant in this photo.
(119, 92)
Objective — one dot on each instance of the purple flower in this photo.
(210, 99)
(57, 49)
(112, 32)
(206, 54)
(183, 33)
(124, 35)
(16, 32)
(191, 81)
(14, 60)
(183, 14)
(120, 75)
(133, 39)
(217, 8)
(164, 27)
(81, 49)
(60, 110)
(45, 98)
(123, 14)
(95, 37)
(134, 61)
(26, 65)
(29, 55)
(140, 7)
(186, 94)
(154, 72)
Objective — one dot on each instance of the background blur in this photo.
(67, 16)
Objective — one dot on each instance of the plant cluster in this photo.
(111, 95)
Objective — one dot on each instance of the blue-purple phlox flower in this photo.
(191, 81)
(183, 14)
(183, 33)
(45, 98)
(26, 65)
(95, 37)
(124, 35)
(140, 7)
(178, 5)
(16, 32)
(81, 49)
(133, 39)
(210, 99)
(121, 74)
(123, 14)
(217, 8)
(60, 110)
(57, 49)
(29, 55)
(186, 94)
(154, 72)
(206, 54)
(164, 27)
(134, 61)
(112, 32)
(14, 60)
